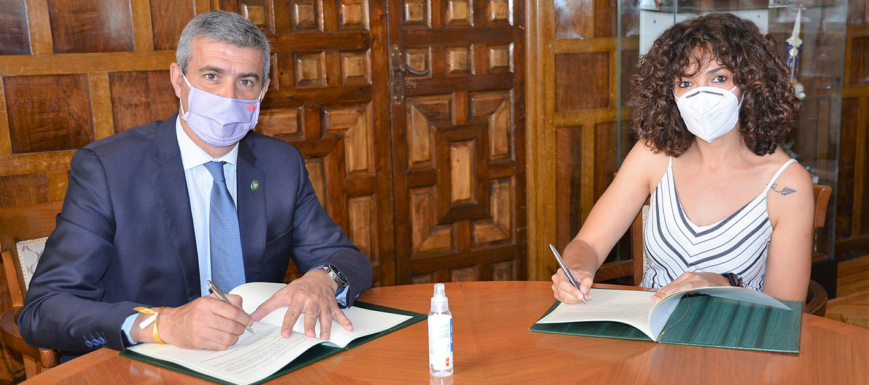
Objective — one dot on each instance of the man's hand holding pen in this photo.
(216, 291)
(204, 323)
(215, 322)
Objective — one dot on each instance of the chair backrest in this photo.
(17, 226)
(822, 198)
(629, 268)
(635, 267)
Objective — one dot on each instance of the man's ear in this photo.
(175, 78)
(265, 88)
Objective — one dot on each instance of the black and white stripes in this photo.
(674, 245)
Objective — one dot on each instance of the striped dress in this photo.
(674, 245)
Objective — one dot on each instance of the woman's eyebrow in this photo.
(714, 70)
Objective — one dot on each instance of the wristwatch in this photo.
(335, 274)
(734, 279)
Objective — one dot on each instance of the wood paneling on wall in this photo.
(42, 116)
(139, 97)
(852, 205)
(14, 32)
(91, 26)
(168, 18)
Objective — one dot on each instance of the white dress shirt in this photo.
(199, 183)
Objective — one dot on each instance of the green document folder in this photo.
(702, 320)
(311, 356)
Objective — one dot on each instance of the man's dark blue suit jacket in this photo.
(124, 237)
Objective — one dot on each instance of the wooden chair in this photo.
(17, 224)
(816, 298)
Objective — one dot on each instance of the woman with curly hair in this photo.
(711, 100)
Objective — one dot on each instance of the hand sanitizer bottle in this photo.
(440, 335)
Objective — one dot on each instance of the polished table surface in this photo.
(492, 345)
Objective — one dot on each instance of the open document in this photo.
(258, 355)
(731, 317)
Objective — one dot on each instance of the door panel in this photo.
(458, 128)
(328, 97)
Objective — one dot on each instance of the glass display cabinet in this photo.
(814, 33)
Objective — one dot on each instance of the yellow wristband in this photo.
(155, 333)
(154, 314)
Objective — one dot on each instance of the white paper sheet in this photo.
(630, 307)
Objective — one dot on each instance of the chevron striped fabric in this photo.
(674, 245)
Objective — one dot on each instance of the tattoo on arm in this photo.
(785, 191)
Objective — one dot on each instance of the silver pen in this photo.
(567, 272)
(223, 298)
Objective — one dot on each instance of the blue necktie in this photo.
(227, 265)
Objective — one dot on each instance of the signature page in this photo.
(626, 306)
(255, 356)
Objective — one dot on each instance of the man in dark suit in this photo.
(150, 216)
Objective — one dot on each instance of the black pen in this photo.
(223, 298)
(567, 272)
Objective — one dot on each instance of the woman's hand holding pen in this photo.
(564, 290)
(580, 258)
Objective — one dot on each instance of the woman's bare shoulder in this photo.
(794, 174)
(792, 192)
(643, 155)
(644, 165)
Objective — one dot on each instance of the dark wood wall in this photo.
(852, 201)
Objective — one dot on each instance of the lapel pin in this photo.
(254, 185)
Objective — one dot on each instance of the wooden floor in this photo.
(852, 304)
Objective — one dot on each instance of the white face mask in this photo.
(709, 112)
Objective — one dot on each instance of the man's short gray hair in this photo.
(224, 27)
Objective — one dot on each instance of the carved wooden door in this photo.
(458, 139)
(329, 98)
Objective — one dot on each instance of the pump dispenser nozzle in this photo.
(439, 302)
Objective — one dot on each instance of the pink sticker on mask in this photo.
(251, 107)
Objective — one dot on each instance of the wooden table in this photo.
(493, 345)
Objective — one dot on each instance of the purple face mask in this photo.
(219, 121)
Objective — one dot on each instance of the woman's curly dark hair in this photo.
(768, 111)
